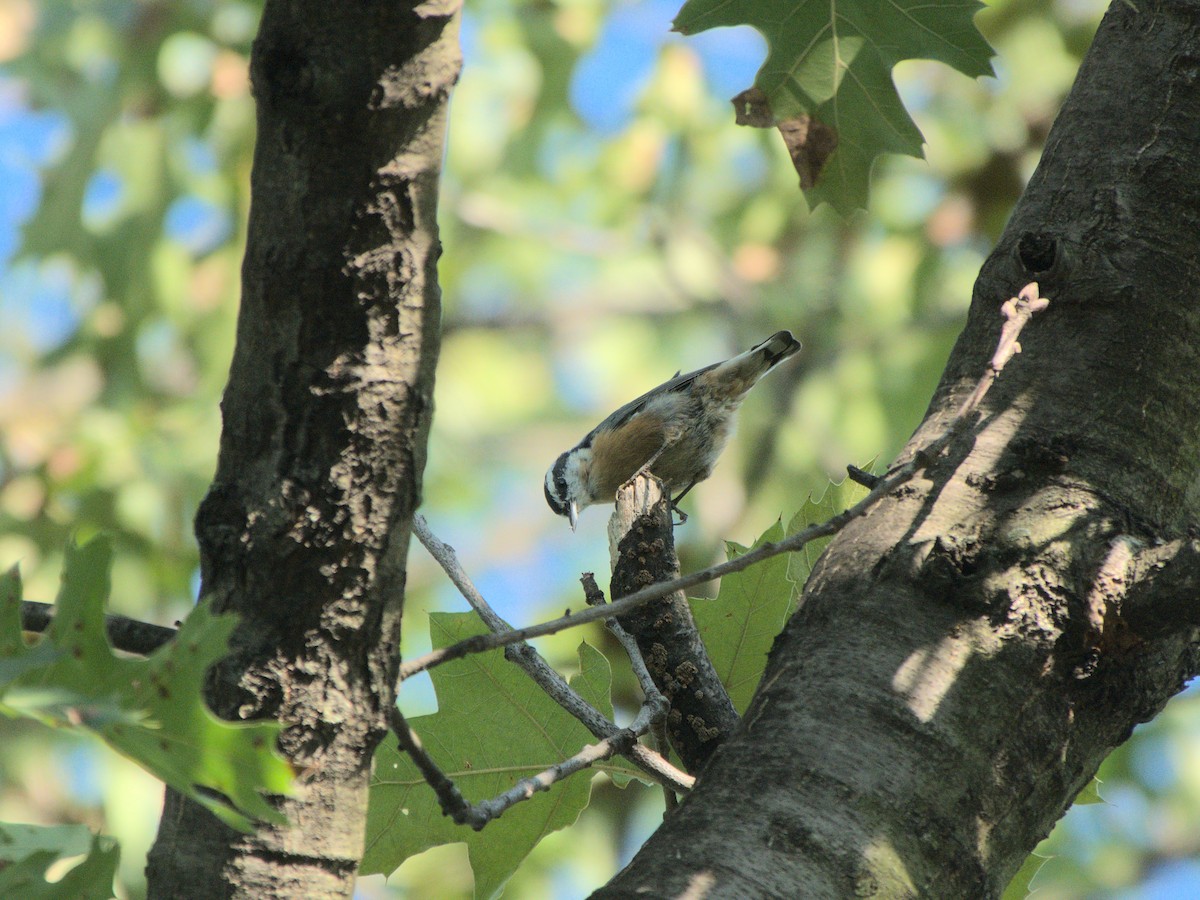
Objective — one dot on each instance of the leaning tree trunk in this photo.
(305, 529)
(969, 652)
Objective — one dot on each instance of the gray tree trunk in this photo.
(305, 529)
(969, 652)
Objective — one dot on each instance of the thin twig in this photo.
(595, 597)
(621, 742)
(477, 815)
(637, 662)
(542, 673)
(482, 642)
(453, 803)
(658, 724)
(659, 735)
(1017, 312)
(862, 476)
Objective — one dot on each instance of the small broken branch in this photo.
(642, 548)
(1163, 593)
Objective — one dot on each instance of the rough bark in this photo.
(962, 661)
(305, 529)
(642, 549)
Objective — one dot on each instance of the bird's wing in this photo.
(630, 409)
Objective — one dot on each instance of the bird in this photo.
(675, 432)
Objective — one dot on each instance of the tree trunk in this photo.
(305, 529)
(968, 652)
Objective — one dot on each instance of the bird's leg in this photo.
(645, 469)
(683, 517)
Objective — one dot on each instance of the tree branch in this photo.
(477, 815)
(642, 545)
(595, 597)
(1163, 596)
(543, 674)
(618, 740)
(1028, 299)
(129, 635)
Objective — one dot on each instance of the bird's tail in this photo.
(772, 351)
(734, 377)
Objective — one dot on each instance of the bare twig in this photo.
(593, 596)
(543, 674)
(1017, 312)
(637, 662)
(659, 735)
(482, 642)
(620, 742)
(453, 803)
(862, 476)
(477, 815)
(658, 724)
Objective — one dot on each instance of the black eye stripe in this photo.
(560, 476)
(557, 499)
(553, 503)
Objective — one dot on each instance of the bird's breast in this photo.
(694, 435)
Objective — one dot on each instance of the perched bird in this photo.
(675, 432)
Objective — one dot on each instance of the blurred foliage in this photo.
(151, 710)
(605, 224)
(29, 853)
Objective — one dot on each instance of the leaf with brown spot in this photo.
(832, 63)
(810, 143)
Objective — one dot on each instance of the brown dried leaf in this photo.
(751, 108)
(810, 143)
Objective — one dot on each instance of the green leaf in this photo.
(739, 626)
(493, 727)
(1090, 794)
(836, 497)
(1019, 887)
(16, 658)
(833, 61)
(151, 710)
(27, 851)
(752, 606)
